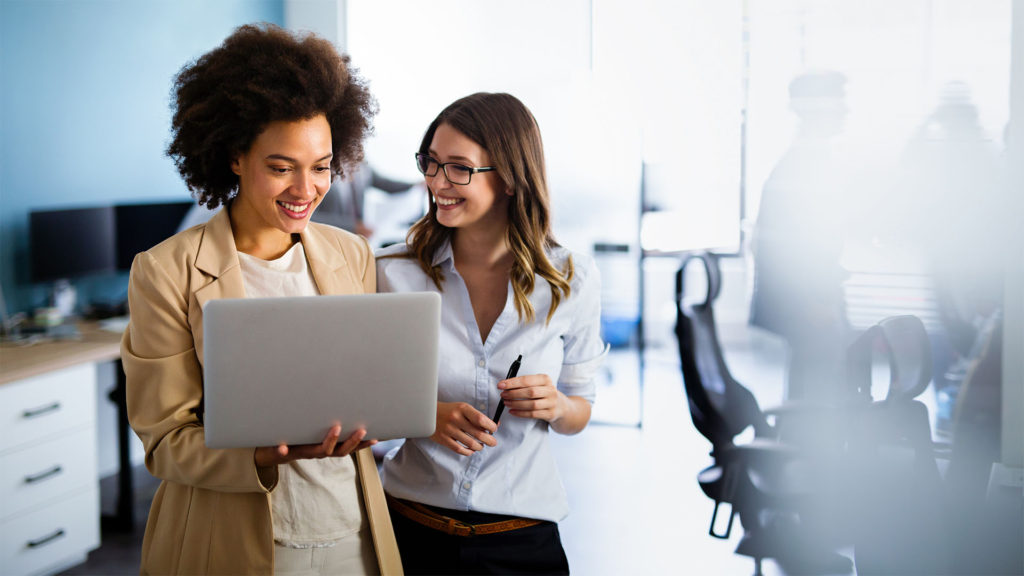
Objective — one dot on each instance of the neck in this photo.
(487, 248)
(263, 243)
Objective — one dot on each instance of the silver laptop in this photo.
(285, 369)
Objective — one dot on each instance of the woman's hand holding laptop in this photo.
(283, 453)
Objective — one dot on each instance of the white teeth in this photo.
(447, 201)
(300, 208)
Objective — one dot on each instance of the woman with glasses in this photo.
(483, 494)
(261, 125)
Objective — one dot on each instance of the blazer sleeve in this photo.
(369, 265)
(165, 388)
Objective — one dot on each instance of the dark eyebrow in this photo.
(293, 160)
(433, 154)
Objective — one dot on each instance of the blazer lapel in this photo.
(325, 261)
(217, 259)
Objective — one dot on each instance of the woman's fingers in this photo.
(456, 447)
(462, 428)
(331, 439)
(268, 456)
(468, 440)
(365, 444)
(350, 444)
(532, 396)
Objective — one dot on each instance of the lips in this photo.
(295, 210)
(443, 202)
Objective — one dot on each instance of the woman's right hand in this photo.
(273, 455)
(462, 428)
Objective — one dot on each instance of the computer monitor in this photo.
(72, 243)
(142, 226)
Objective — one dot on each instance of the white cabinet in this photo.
(49, 490)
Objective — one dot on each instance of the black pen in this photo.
(512, 371)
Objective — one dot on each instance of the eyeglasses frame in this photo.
(443, 166)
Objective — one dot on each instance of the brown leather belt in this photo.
(424, 516)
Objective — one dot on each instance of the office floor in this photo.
(635, 504)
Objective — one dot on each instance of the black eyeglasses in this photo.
(455, 173)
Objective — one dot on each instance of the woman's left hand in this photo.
(533, 396)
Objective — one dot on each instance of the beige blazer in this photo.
(211, 513)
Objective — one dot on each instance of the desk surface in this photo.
(20, 361)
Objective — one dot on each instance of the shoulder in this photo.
(177, 252)
(167, 268)
(396, 258)
(398, 270)
(394, 251)
(583, 266)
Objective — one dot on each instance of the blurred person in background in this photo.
(345, 206)
(950, 193)
(798, 241)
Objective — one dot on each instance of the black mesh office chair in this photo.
(897, 487)
(765, 481)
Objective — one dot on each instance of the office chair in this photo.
(896, 483)
(765, 481)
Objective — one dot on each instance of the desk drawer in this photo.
(47, 405)
(32, 476)
(49, 537)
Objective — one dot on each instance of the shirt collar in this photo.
(444, 254)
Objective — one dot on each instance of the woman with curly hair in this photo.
(482, 496)
(261, 125)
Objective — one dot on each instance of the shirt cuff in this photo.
(578, 379)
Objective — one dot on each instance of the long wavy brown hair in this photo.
(500, 124)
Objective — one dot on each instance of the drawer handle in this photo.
(33, 412)
(43, 475)
(46, 539)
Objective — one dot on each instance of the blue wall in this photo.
(85, 110)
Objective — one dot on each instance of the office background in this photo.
(645, 94)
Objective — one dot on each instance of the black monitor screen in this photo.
(142, 226)
(71, 243)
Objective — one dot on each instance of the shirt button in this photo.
(481, 407)
(481, 363)
(467, 485)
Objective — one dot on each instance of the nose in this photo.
(438, 181)
(305, 185)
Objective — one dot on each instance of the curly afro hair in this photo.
(262, 74)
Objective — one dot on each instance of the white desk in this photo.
(49, 487)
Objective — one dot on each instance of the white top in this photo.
(315, 502)
(518, 477)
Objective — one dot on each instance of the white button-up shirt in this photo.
(517, 477)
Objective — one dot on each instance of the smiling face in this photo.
(281, 179)
(482, 203)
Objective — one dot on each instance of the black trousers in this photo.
(533, 550)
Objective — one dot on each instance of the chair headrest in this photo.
(714, 276)
(910, 357)
(907, 349)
